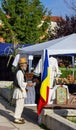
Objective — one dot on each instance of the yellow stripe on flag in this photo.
(44, 85)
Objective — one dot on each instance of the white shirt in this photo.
(53, 69)
(20, 92)
(16, 60)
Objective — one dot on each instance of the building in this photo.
(52, 24)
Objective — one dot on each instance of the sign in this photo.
(61, 95)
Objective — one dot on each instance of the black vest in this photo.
(15, 82)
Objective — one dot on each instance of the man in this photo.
(20, 89)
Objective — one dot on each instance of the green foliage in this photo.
(25, 16)
(72, 119)
(67, 71)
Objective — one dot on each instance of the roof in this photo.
(54, 18)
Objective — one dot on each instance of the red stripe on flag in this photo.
(42, 102)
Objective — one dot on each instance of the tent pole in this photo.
(73, 65)
(30, 62)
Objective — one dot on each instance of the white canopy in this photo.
(64, 45)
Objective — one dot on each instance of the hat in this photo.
(22, 60)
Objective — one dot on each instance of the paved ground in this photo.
(6, 117)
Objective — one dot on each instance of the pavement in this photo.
(6, 117)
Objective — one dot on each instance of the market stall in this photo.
(61, 46)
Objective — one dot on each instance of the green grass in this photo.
(72, 119)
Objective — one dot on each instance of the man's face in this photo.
(24, 66)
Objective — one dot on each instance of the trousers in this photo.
(19, 108)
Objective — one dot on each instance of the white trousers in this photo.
(19, 107)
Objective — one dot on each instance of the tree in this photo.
(64, 28)
(25, 16)
(68, 27)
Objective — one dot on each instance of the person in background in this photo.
(20, 89)
(37, 80)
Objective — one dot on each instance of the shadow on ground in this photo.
(29, 113)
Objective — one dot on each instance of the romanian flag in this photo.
(44, 90)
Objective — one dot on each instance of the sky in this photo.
(58, 7)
